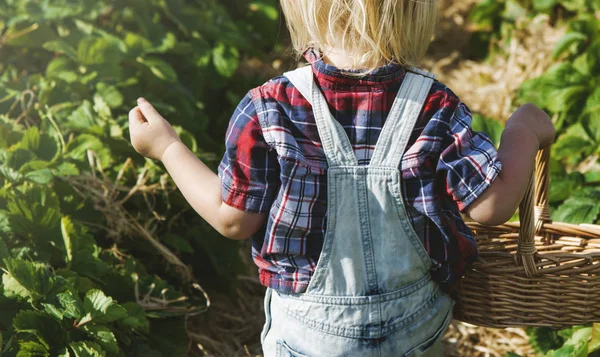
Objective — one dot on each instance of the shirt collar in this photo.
(332, 77)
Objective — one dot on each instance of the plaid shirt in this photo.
(274, 163)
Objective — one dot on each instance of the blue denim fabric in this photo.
(371, 293)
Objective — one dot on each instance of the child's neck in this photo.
(339, 59)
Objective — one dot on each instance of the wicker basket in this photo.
(539, 273)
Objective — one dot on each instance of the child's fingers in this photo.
(148, 110)
(136, 117)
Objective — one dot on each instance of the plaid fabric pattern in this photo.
(274, 163)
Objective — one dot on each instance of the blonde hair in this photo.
(370, 32)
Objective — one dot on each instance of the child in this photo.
(350, 174)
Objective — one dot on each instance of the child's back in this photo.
(289, 176)
(367, 288)
(353, 181)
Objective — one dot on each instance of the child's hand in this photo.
(533, 118)
(150, 133)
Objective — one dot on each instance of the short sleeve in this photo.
(469, 160)
(249, 170)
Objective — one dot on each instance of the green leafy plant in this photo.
(569, 91)
(101, 255)
(577, 341)
(493, 21)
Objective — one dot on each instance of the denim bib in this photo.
(371, 293)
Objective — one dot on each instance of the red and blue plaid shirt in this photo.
(274, 163)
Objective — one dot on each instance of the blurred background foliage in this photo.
(77, 203)
(101, 256)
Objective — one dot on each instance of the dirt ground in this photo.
(232, 325)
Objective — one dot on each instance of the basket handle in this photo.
(534, 211)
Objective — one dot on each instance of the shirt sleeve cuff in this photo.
(475, 189)
(244, 200)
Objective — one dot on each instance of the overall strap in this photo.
(398, 127)
(336, 144)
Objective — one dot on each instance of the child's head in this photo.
(370, 32)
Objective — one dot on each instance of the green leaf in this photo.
(31, 139)
(592, 176)
(586, 23)
(564, 99)
(574, 143)
(110, 94)
(226, 59)
(581, 350)
(48, 331)
(566, 42)
(83, 117)
(97, 50)
(8, 135)
(167, 43)
(78, 147)
(136, 44)
(66, 169)
(580, 334)
(104, 337)
(543, 5)
(576, 345)
(64, 353)
(81, 250)
(71, 305)
(57, 10)
(34, 212)
(11, 175)
(53, 311)
(159, 68)
(188, 139)
(34, 165)
(136, 317)
(61, 68)
(578, 210)
(591, 120)
(594, 344)
(27, 279)
(19, 157)
(48, 148)
(42, 177)
(101, 107)
(102, 308)
(544, 339)
(61, 46)
(593, 57)
(563, 187)
(484, 10)
(86, 349)
(32, 349)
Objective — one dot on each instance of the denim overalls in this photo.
(371, 294)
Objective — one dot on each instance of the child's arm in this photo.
(528, 130)
(153, 137)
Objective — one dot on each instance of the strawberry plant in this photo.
(570, 91)
(577, 341)
(493, 21)
(100, 255)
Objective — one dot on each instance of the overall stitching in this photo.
(371, 331)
